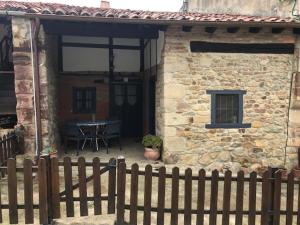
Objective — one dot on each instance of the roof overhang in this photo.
(148, 21)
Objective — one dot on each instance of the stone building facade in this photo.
(270, 83)
(282, 8)
(184, 107)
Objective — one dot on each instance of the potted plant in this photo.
(152, 146)
(49, 151)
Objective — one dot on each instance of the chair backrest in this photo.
(113, 128)
(70, 129)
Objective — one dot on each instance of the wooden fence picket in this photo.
(121, 191)
(290, 199)
(265, 201)
(12, 191)
(112, 186)
(277, 198)
(28, 191)
(148, 195)
(97, 187)
(134, 193)
(188, 197)
(226, 198)
(214, 198)
(161, 195)
(252, 198)
(68, 186)
(239, 198)
(55, 198)
(201, 197)
(5, 149)
(82, 187)
(43, 192)
(174, 198)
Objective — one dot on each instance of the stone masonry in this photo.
(183, 107)
(22, 59)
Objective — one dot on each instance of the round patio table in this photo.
(97, 125)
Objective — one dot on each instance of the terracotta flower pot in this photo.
(53, 155)
(151, 154)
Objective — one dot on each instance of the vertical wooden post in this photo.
(121, 193)
(201, 197)
(161, 196)
(290, 199)
(55, 198)
(43, 191)
(239, 198)
(112, 187)
(148, 195)
(277, 198)
(265, 201)
(175, 192)
(214, 198)
(12, 191)
(2, 157)
(68, 186)
(134, 193)
(226, 198)
(188, 197)
(82, 187)
(252, 198)
(97, 186)
(28, 191)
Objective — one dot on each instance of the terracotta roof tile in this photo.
(68, 10)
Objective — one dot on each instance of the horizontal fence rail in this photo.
(175, 198)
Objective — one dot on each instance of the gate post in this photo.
(272, 194)
(49, 187)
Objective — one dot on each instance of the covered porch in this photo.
(102, 73)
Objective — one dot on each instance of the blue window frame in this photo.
(227, 109)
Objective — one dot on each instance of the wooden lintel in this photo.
(210, 30)
(233, 30)
(187, 28)
(101, 29)
(277, 30)
(255, 30)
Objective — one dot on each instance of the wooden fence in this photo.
(48, 190)
(207, 208)
(55, 189)
(8, 148)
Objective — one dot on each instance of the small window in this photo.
(84, 100)
(227, 109)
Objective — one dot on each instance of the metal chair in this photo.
(71, 132)
(111, 131)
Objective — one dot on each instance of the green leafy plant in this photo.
(152, 141)
(48, 151)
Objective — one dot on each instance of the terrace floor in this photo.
(132, 151)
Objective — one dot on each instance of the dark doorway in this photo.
(126, 105)
(152, 103)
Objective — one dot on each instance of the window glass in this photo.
(84, 100)
(227, 108)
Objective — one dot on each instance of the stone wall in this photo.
(48, 65)
(22, 59)
(245, 7)
(183, 107)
